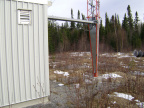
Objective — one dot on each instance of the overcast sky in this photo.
(62, 8)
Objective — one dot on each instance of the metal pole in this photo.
(93, 15)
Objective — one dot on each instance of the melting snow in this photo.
(66, 74)
(79, 53)
(111, 75)
(138, 73)
(114, 102)
(61, 72)
(77, 85)
(61, 84)
(125, 66)
(128, 97)
(124, 56)
(141, 104)
(118, 55)
(88, 81)
(125, 96)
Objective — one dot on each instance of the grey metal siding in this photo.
(24, 67)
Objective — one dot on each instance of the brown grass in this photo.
(88, 95)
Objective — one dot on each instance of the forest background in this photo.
(113, 37)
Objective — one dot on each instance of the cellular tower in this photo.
(93, 14)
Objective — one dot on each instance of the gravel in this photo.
(60, 96)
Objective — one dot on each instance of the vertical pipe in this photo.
(24, 57)
(18, 51)
(12, 49)
(29, 58)
(44, 49)
(39, 50)
(34, 50)
(6, 51)
(96, 73)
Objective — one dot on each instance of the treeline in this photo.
(126, 36)
(114, 36)
(69, 36)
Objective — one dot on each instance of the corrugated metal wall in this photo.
(23, 53)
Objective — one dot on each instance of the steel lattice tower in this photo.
(93, 13)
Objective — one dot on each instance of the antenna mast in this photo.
(93, 13)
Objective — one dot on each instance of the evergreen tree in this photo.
(130, 24)
(83, 16)
(136, 40)
(72, 23)
(136, 21)
(78, 17)
(142, 33)
(101, 32)
(53, 37)
(125, 23)
(107, 26)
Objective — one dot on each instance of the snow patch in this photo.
(129, 97)
(61, 72)
(66, 74)
(77, 85)
(138, 73)
(137, 100)
(60, 85)
(118, 55)
(124, 56)
(125, 96)
(125, 66)
(141, 104)
(88, 81)
(114, 102)
(111, 75)
(79, 53)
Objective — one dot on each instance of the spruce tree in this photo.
(107, 26)
(136, 40)
(130, 24)
(142, 33)
(78, 17)
(101, 32)
(72, 23)
(125, 23)
(136, 21)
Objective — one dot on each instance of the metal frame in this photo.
(93, 16)
(93, 13)
(71, 20)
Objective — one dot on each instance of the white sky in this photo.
(62, 8)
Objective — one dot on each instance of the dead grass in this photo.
(87, 95)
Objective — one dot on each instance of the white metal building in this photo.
(24, 71)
